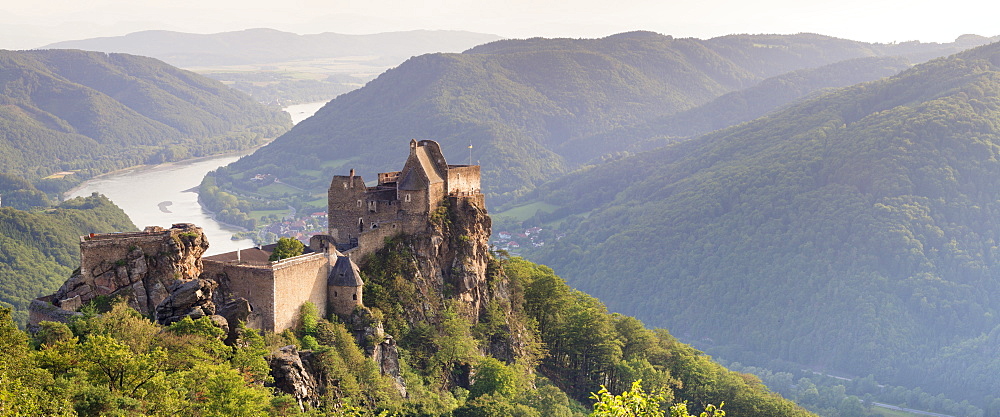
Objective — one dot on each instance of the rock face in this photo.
(292, 376)
(141, 267)
(450, 259)
(370, 335)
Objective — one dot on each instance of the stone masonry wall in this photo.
(463, 179)
(343, 210)
(255, 283)
(297, 280)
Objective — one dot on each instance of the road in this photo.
(910, 410)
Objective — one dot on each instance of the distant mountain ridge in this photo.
(855, 231)
(269, 45)
(532, 108)
(91, 112)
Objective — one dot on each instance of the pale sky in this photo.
(32, 23)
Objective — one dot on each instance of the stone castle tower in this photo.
(361, 217)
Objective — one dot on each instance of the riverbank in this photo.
(167, 193)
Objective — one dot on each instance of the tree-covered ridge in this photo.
(532, 108)
(91, 112)
(119, 363)
(40, 248)
(854, 232)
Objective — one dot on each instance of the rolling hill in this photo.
(255, 46)
(533, 109)
(40, 248)
(854, 231)
(91, 112)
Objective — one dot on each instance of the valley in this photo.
(792, 207)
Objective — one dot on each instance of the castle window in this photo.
(374, 226)
(407, 197)
(359, 203)
(355, 297)
(335, 294)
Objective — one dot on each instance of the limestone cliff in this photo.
(415, 278)
(139, 267)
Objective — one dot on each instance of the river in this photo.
(161, 195)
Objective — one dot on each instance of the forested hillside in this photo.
(536, 108)
(120, 363)
(91, 112)
(854, 232)
(40, 248)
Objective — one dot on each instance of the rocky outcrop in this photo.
(370, 335)
(139, 267)
(292, 376)
(386, 355)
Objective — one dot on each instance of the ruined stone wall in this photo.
(297, 280)
(98, 249)
(137, 267)
(413, 201)
(253, 282)
(342, 203)
(375, 212)
(373, 240)
(463, 179)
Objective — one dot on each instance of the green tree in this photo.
(493, 377)
(286, 248)
(638, 403)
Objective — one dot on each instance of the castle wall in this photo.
(343, 207)
(297, 280)
(413, 201)
(372, 240)
(253, 282)
(463, 179)
(108, 248)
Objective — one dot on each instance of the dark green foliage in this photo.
(40, 249)
(90, 112)
(286, 247)
(122, 364)
(587, 348)
(855, 231)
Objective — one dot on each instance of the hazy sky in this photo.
(25, 24)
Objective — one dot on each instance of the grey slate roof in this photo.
(345, 273)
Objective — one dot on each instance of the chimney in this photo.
(352, 177)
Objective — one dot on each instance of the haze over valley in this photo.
(807, 194)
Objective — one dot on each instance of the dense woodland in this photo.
(40, 247)
(89, 113)
(536, 108)
(119, 363)
(854, 232)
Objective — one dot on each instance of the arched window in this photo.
(407, 197)
(359, 203)
(334, 294)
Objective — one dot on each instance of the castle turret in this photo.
(344, 287)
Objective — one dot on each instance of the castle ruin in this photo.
(270, 292)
